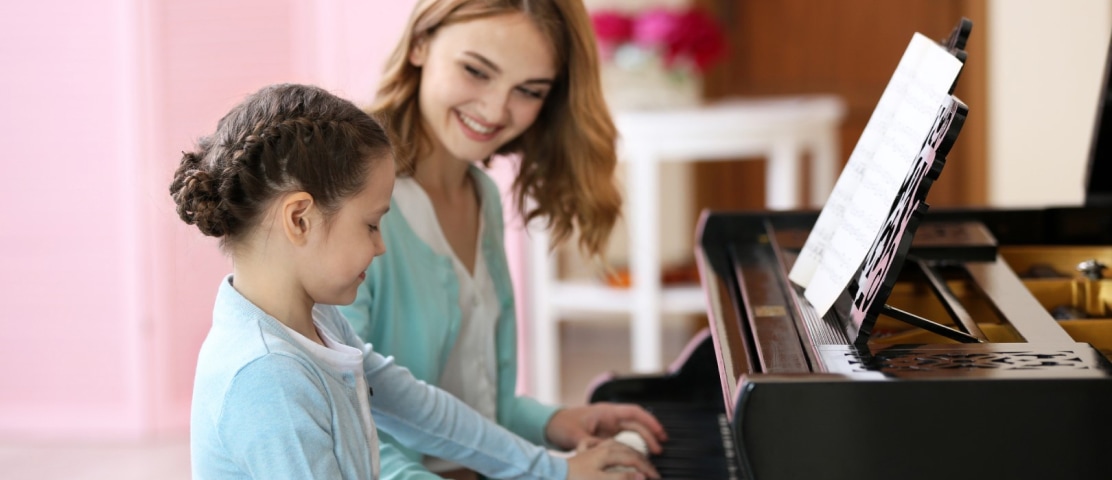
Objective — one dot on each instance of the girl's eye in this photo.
(475, 72)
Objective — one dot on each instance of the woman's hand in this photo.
(609, 460)
(588, 425)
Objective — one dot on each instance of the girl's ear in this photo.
(295, 215)
(420, 51)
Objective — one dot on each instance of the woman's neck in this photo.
(443, 174)
(265, 284)
(455, 199)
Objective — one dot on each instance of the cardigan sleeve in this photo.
(434, 422)
(526, 416)
(396, 465)
(272, 424)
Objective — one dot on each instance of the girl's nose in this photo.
(380, 246)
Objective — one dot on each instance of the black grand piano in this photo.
(972, 344)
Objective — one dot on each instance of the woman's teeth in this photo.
(476, 126)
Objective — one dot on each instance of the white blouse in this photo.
(471, 370)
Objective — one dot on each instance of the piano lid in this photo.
(1098, 180)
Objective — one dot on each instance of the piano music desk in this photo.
(779, 129)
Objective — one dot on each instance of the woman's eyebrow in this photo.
(491, 65)
(484, 61)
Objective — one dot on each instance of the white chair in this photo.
(779, 129)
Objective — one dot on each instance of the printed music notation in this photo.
(865, 191)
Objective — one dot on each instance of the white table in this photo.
(779, 129)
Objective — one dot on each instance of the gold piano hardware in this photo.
(770, 311)
(1081, 305)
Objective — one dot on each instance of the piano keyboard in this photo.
(700, 445)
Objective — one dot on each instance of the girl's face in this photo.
(483, 82)
(339, 254)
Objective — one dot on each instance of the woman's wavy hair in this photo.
(281, 139)
(568, 154)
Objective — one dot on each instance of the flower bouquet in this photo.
(656, 58)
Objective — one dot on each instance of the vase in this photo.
(649, 84)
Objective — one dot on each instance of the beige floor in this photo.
(587, 349)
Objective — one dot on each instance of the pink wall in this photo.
(107, 294)
(71, 213)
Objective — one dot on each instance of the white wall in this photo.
(1045, 62)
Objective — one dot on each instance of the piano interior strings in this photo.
(972, 343)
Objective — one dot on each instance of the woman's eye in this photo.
(475, 72)
(537, 94)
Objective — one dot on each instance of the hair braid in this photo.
(283, 138)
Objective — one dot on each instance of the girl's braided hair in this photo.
(281, 139)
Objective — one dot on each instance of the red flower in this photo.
(688, 34)
(612, 28)
(695, 35)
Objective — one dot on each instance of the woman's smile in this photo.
(476, 129)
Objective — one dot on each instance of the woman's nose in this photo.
(493, 106)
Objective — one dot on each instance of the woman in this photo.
(469, 80)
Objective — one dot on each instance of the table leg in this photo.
(824, 155)
(644, 208)
(545, 332)
(782, 176)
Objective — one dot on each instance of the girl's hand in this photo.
(609, 460)
(590, 424)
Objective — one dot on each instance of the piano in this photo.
(979, 347)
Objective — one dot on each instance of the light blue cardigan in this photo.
(408, 307)
(264, 408)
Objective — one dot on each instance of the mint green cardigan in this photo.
(408, 308)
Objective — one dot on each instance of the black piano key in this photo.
(696, 447)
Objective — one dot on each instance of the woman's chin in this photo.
(473, 156)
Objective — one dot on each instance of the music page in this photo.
(864, 193)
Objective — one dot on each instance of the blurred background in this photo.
(107, 296)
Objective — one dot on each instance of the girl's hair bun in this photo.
(281, 139)
(196, 193)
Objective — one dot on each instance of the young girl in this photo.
(471, 79)
(296, 182)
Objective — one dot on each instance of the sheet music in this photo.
(864, 192)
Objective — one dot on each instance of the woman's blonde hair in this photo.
(568, 154)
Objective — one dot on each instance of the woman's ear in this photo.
(420, 51)
(296, 217)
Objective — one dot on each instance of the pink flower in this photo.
(689, 35)
(654, 27)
